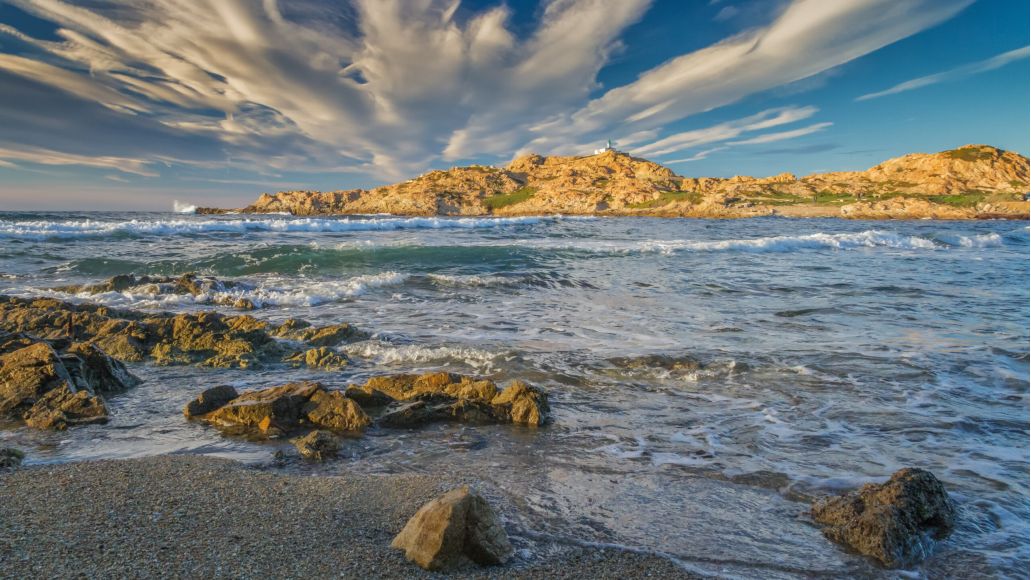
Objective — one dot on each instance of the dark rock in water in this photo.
(430, 408)
(318, 445)
(680, 363)
(10, 457)
(204, 338)
(49, 389)
(210, 400)
(281, 406)
(456, 527)
(895, 522)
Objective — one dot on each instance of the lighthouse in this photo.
(608, 147)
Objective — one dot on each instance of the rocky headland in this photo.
(971, 182)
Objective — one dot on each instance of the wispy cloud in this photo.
(726, 130)
(990, 64)
(49, 157)
(783, 135)
(390, 87)
(697, 156)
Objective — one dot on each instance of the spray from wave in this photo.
(183, 207)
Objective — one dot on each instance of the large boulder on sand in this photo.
(896, 522)
(318, 445)
(456, 527)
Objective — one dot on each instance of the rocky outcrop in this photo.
(457, 527)
(203, 338)
(58, 384)
(318, 445)
(277, 411)
(970, 182)
(896, 522)
(391, 401)
(419, 399)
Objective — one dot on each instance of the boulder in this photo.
(210, 400)
(430, 408)
(318, 445)
(61, 408)
(522, 404)
(334, 410)
(51, 389)
(367, 397)
(896, 522)
(10, 457)
(280, 406)
(680, 363)
(456, 527)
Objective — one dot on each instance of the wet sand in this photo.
(193, 516)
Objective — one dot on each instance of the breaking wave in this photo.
(98, 228)
(387, 354)
(183, 207)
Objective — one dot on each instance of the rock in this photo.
(457, 526)
(404, 386)
(318, 445)
(205, 338)
(522, 404)
(334, 410)
(431, 408)
(615, 183)
(281, 406)
(61, 408)
(210, 400)
(319, 358)
(367, 397)
(679, 363)
(895, 522)
(56, 390)
(10, 457)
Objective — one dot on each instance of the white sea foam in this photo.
(472, 280)
(298, 292)
(386, 353)
(183, 207)
(43, 229)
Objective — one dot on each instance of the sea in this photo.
(830, 354)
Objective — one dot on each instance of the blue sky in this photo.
(115, 104)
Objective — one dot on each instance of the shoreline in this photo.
(193, 515)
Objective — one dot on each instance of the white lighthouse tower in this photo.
(608, 147)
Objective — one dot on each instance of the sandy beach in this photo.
(202, 517)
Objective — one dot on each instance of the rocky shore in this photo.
(971, 182)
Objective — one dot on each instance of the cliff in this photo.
(970, 182)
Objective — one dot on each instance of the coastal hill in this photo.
(974, 181)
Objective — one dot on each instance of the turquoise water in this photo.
(833, 352)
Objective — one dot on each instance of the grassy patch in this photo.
(520, 195)
(969, 154)
(667, 198)
(969, 199)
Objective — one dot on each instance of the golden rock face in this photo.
(963, 183)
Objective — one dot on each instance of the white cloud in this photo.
(697, 156)
(990, 64)
(49, 157)
(783, 135)
(726, 130)
(395, 86)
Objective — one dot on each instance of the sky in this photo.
(128, 104)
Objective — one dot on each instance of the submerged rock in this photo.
(458, 526)
(10, 457)
(51, 389)
(319, 358)
(318, 445)
(680, 363)
(896, 522)
(204, 338)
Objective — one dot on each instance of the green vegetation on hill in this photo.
(667, 198)
(968, 154)
(499, 201)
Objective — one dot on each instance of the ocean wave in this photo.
(44, 229)
(294, 293)
(385, 354)
(183, 207)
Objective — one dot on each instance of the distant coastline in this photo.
(971, 182)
